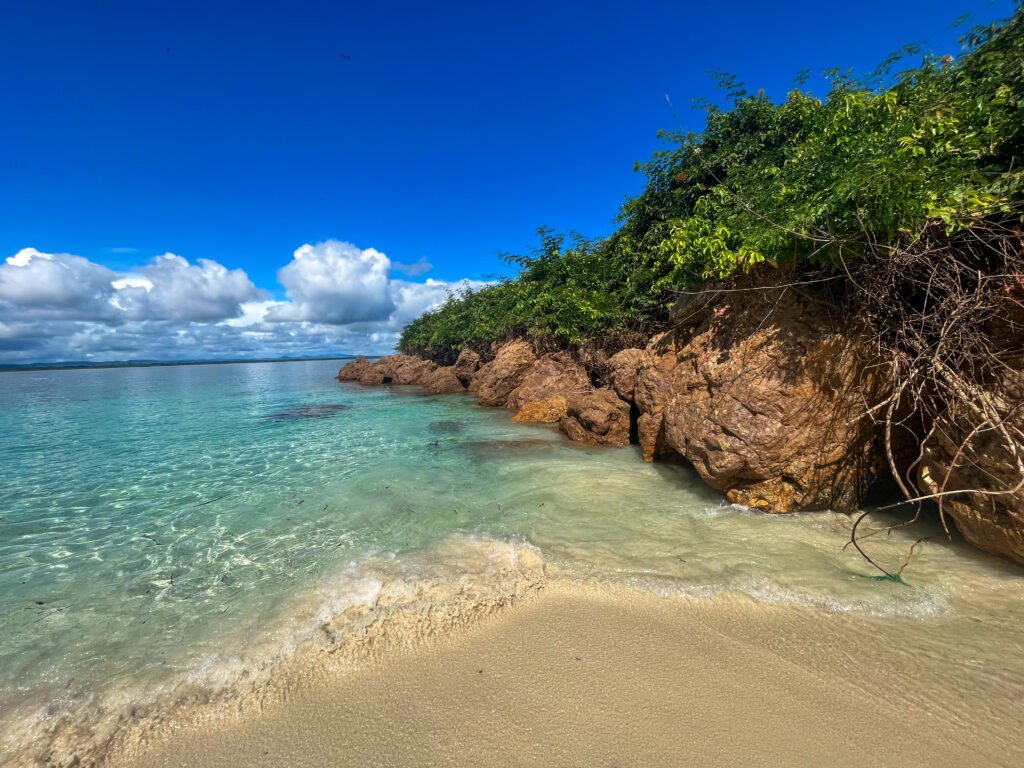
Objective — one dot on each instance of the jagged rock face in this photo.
(553, 375)
(466, 365)
(993, 522)
(494, 382)
(651, 393)
(548, 411)
(623, 367)
(353, 370)
(442, 381)
(763, 397)
(600, 418)
(393, 369)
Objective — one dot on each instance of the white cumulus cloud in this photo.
(339, 299)
(201, 292)
(335, 283)
(56, 285)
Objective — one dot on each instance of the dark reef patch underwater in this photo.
(314, 411)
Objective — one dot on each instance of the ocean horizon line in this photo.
(84, 364)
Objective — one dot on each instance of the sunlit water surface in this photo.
(155, 519)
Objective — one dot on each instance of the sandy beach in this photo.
(585, 675)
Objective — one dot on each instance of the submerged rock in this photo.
(314, 411)
(446, 426)
(599, 418)
(500, 450)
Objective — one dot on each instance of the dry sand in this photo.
(587, 676)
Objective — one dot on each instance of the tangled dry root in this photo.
(944, 316)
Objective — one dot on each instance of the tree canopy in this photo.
(804, 183)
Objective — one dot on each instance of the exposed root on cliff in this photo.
(944, 314)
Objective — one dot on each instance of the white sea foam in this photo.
(367, 608)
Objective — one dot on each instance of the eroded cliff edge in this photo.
(764, 392)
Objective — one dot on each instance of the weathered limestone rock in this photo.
(555, 374)
(600, 418)
(353, 370)
(466, 365)
(442, 381)
(548, 411)
(494, 382)
(763, 398)
(623, 368)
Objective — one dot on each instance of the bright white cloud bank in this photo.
(340, 298)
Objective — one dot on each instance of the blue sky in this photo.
(435, 133)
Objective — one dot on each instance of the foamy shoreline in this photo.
(586, 675)
(478, 652)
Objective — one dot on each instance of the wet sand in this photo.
(607, 676)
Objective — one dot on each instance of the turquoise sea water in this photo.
(156, 521)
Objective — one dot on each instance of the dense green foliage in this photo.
(806, 182)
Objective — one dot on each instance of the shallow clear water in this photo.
(155, 519)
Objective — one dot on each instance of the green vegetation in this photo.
(806, 184)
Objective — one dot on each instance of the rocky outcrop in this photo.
(622, 372)
(599, 417)
(651, 393)
(761, 391)
(392, 369)
(466, 365)
(553, 376)
(548, 411)
(763, 398)
(404, 369)
(442, 381)
(353, 370)
(496, 380)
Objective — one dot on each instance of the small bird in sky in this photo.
(345, 56)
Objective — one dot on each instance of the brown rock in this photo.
(623, 367)
(404, 369)
(373, 376)
(466, 365)
(651, 392)
(763, 398)
(547, 411)
(442, 381)
(553, 375)
(353, 370)
(600, 418)
(494, 382)
(393, 369)
(993, 522)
